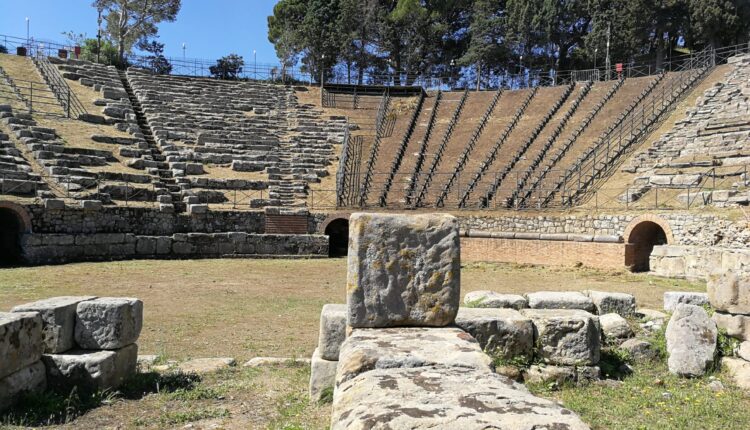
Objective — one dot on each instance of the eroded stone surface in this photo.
(674, 298)
(206, 365)
(739, 369)
(729, 292)
(108, 322)
(30, 379)
(737, 326)
(691, 341)
(560, 300)
(20, 341)
(367, 349)
(58, 321)
(606, 303)
(639, 350)
(322, 376)
(403, 270)
(615, 327)
(491, 299)
(332, 331)
(505, 334)
(566, 336)
(90, 371)
(445, 398)
(545, 374)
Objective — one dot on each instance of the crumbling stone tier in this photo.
(83, 343)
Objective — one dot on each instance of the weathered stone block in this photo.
(566, 337)
(491, 299)
(91, 205)
(20, 341)
(403, 270)
(332, 331)
(197, 209)
(729, 292)
(607, 303)
(366, 349)
(30, 379)
(90, 371)
(737, 326)
(739, 370)
(560, 300)
(504, 334)
(674, 298)
(58, 321)
(615, 327)
(546, 374)
(443, 398)
(322, 376)
(639, 350)
(108, 322)
(691, 341)
(54, 204)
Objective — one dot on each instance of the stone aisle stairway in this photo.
(156, 161)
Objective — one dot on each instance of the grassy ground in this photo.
(244, 308)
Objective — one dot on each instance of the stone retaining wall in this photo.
(62, 248)
(695, 262)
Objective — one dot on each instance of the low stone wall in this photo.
(62, 248)
(695, 262)
(558, 250)
(86, 344)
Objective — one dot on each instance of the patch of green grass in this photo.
(192, 415)
(652, 398)
(50, 408)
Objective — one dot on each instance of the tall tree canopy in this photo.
(131, 21)
(361, 40)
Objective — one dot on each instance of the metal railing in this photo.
(67, 98)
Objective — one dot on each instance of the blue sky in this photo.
(209, 28)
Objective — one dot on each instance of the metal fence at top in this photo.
(518, 77)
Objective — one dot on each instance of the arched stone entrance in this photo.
(14, 222)
(641, 236)
(336, 227)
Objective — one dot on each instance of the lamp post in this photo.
(607, 65)
(99, 36)
(520, 69)
(184, 47)
(255, 64)
(453, 69)
(322, 76)
(28, 39)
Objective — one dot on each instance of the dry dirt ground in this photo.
(243, 309)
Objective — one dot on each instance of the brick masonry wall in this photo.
(545, 252)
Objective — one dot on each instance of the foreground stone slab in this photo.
(202, 366)
(737, 326)
(606, 303)
(58, 321)
(257, 362)
(443, 398)
(108, 322)
(691, 341)
(615, 327)
(560, 300)
(367, 349)
(90, 371)
(674, 298)
(566, 336)
(504, 334)
(30, 379)
(20, 341)
(491, 299)
(332, 331)
(728, 292)
(403, 270)
(322, 376)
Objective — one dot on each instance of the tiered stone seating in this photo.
(16, 176)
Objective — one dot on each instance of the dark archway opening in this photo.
(338, 237)
(10, 238)
(644, 237)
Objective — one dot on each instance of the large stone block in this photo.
(443, 398)
(691, 341)
(607, 303)
(58, 321)
(505, 334)
(566, 336)
(737, 326)
(403, 270)
(332, 331)
(20, 341)
(674, 298)
(729, 292)
(30, 379)
(615, 327)
(560, 300)
(367, 349)
(90, 371)
(322, 376)
(739, 370)
(491, 299)
(108, 322)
